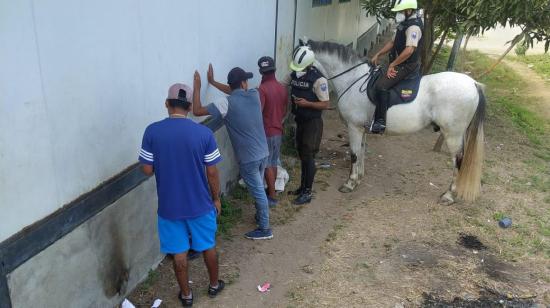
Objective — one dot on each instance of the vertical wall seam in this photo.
(294, 29)
(44, 99)
(276, 25)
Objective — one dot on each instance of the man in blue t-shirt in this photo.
(242, 114)
(178, 151)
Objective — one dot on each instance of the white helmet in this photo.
(302, 57)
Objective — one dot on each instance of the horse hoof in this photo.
(345, 189)
(446, 199)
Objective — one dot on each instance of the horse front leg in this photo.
(357, 153)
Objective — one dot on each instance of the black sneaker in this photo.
(378, 126)
(186, 302)
(272, 202)
(304, 198)
(212, 292)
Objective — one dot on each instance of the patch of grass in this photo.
(540, 63)
(544, 227)
(334, 232)
(240, 193)
(504, 90)
(331, 236)
(440, 63)
(544, 155)
(498, 216)
(230, 216)
(152, 277)
(531, 124)
(232, 277)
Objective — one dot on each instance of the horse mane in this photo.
(344, 53)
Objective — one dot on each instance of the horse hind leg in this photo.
(357, 154)
(454, 143)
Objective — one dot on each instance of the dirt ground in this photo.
(496, 41)
(389, 244)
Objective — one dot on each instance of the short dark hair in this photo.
(178, 103)
(235, 85)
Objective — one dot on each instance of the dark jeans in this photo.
(384, 83)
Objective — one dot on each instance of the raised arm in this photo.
(218, 85)
(198, 109)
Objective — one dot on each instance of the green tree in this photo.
(471, 17)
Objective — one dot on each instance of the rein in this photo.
(362, 88)
(349, 69)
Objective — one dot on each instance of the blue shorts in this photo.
(177, 236)
(274, 146)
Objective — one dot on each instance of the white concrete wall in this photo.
(80, 80)
(338, 22)
(99, 262)
(285, 36)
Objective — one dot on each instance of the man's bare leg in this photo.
(211, 261)
(180, 269)
(270, 177)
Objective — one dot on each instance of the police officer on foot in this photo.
(404, 52)
(310, 96)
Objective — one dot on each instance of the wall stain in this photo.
(115, 272)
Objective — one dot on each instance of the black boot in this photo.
(304, 198)
(299, 191)
(379, 124)
(309, 172)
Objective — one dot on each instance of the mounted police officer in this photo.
(404, 52)
(310, 96)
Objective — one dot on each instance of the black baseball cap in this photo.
(266, 64)
(237, 74)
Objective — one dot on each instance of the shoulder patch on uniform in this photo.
(413, 35)
(323, 86)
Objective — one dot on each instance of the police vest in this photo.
(400, 42)
(303, 88)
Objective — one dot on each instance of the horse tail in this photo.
(468, 181)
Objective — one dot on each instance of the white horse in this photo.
(454, 102)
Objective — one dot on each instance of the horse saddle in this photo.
(403, 92)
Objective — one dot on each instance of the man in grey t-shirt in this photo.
(242, 115)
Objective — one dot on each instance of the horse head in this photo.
(303, 41)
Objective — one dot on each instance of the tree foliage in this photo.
(471, 17)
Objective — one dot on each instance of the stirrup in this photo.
(377, 128)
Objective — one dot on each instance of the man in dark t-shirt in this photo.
(274, 98)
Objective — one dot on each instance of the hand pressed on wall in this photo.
(197, 81)
(210, 73)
